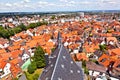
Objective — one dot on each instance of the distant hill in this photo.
(42, 13)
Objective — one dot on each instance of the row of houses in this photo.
(81, 38)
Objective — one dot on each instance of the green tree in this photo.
(95, 61)
(23, 27)
(11, 32)
(53, 49)
(17, 29)
(32, 67)
(32, 25)
(39, 57)
(53, 17)
(35, 77)
(83, 63)
(38, 24)
(1, 31)
(15, 79)
(5, 34)
(86, 71)
(102, 47)
(44, 23)
(1, 28)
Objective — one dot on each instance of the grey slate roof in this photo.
(61, 66)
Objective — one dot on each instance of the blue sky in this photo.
(57, 5)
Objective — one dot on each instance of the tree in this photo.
(102, 47)
(83, 63)
(86, 71)
(38, 24)
(35, 77)
(5, 34)
(17, 29)
(11, 32)
(32, 25)
(39, 57)
(15, 79)
(53, 49)
(1, 31)
(23, 27)
(32, 67)
(53, 17)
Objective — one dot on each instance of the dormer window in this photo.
(103, 60)
(118, 66)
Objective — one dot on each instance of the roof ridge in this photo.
(56, 62)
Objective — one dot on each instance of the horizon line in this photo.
(54, 11)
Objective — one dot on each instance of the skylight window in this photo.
(46, 78)
(71, 62)
(59, 78)
(51, 65)
(78, 71)
(71, 71)
(64, 57)
(62, 66)
(46, 70)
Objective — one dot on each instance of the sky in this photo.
(57, 5)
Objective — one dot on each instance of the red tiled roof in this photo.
(2, 64)
(104, 59)
(2, 51)
(16, 53)
(6, 56)
(81, 56)
(114, 51)
(15, 70)
(16, 47)
(15, 61)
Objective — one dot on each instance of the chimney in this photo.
(46, 59)
(106, 41)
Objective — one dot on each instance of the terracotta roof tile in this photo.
(6, 56)
(2, 64)
(114, 51)
(2, 51)
(16, 47)
(15, 70)
(104, 59)
(15, 61)
(82, 56)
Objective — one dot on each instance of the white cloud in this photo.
(109, 1)
(85, 2)
(25, 5)
(72, 2)
(26, 1)
(8, 4)
(63, 0)
(43, 3)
